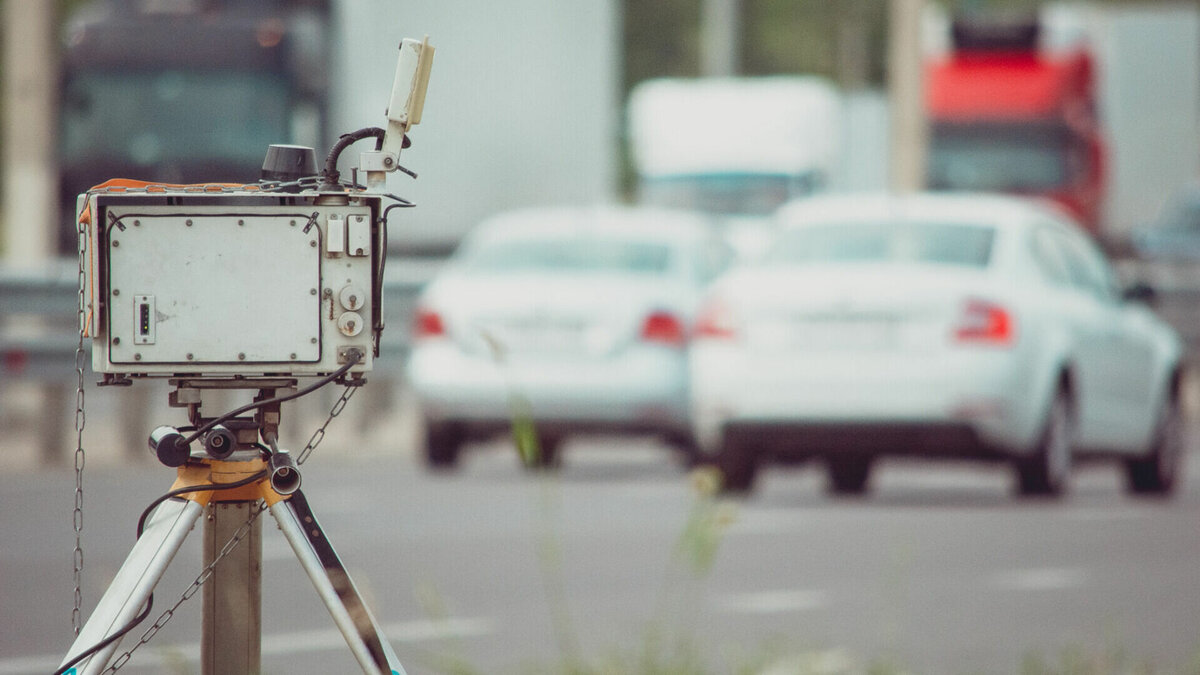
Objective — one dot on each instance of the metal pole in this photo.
(231, 628)
(909, 137)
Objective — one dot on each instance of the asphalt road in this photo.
(940, 570)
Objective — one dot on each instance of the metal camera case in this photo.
(232, 282)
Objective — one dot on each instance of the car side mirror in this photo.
(1142, 292)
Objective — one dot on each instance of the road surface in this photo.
(940, 570)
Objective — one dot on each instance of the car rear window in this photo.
(574, 255)
(943, 243)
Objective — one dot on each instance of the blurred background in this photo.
(532, 104)
(728, 107)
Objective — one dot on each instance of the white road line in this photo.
(773, 602)
(319, 640)
(1040, 579)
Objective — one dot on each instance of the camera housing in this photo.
(231, 282)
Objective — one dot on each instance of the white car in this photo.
(940, 325)
(575, 318)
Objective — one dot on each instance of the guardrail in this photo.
(39, 337)
(39, 324)
(39, 308)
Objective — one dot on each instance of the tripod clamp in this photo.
(248, 473)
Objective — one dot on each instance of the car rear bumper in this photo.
(802, 440)
(942, 403)
(642, 390)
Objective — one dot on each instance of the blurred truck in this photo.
(736, 148)
(186, 91)
(1009, 114)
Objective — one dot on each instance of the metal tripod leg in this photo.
(367, 642)
(164, 533)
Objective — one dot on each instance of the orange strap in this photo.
(122, 184)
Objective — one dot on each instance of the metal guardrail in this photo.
(39, 311)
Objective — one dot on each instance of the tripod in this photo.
(231, 480)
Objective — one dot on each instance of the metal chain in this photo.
(237, 537)
(204, 576)
(80, 422)
(319, 434)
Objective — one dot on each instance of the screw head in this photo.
(137, 357)
(116, 341)
(116, 243)
(116, 292)
(241, 356)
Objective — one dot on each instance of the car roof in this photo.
(650, 224)
(1001, 211)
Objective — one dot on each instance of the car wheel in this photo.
(738, 463)
(686, 449)
(849, 475)
(549, 455)
(1047, 470)
(443, 444)
(1157, 473)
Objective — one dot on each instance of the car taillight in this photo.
(664, 328)
(716, 321)
(985, 322)
(15, 361)
(428, 324)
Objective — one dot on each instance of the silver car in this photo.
(940, 325)
(574, 319)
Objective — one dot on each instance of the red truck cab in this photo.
(1008, 116)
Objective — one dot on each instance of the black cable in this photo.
(401, 203)
(330, 176)
(110, 639)
(141, 526)
(352, 358)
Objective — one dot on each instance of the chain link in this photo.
(234, 540)
(319, 434)
(80, 423)
(80, 457)
(190, 591)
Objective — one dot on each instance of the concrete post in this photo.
(909, 135)
(30, 192)
(720, 33)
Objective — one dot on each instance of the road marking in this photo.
(320, 640)
(774, 602)
(1041, 579)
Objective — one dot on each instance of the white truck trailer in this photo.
(734, 147)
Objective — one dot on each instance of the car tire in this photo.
(849, 475)
(685, 449)
(443, 445)
(1157, 473)
(738, 464)
(1047, 471)
(549, 456)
